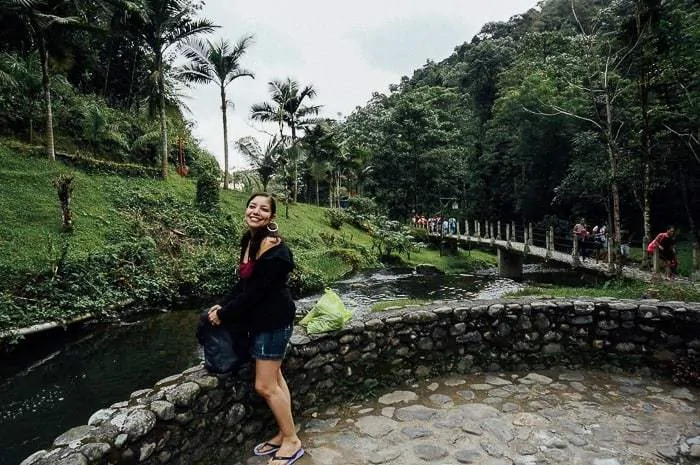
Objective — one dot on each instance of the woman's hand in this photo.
(214, 315)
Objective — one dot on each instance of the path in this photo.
(578, 418)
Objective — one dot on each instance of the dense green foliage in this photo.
(137, 241)
(591, 111)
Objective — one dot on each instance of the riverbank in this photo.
(137, 240)
(143, 242)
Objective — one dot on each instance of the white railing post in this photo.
(508, 232)
(529, 234)
(499, 235)
(551, 237)
(575, 259)
(655, 260)
(466, 227)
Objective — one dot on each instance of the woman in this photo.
(261, 301)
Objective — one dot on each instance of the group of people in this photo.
(258, 314)
(591, 240)
(436, 224)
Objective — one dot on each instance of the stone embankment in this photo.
(195, 418)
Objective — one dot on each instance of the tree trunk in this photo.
(646, 148)
(131, 81)
(337, 197)
(317, 201)
(31, 130)
(46, 84)
(163, 120)
(295, 168)
(612, 155)
(223, 114)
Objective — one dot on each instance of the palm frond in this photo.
(308, 110)
(264, 112)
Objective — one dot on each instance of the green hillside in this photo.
(143, 242)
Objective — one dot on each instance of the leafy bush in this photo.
(362, 206)
(421, 235)
(207, 272)
(207, 198)
(336, 217)
(391, 238)
(349, 257)
(305, 280)
(328, 239)
(174, 225)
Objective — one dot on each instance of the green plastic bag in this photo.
(329, 314)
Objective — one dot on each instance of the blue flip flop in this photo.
(272, 448)
(292, 458)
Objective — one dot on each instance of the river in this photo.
(62, 388)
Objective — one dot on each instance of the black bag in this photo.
(225, 348)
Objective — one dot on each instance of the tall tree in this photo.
(287, 107)
(217, 63)
(40, 18)
(266, 162)
(168, 23)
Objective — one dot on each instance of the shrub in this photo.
(349, 257)
(207, 198)
(336, 217)
(362, 206)
(305, 280)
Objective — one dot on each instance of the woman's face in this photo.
(259, 213)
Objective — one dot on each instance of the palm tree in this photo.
(318, 170)
(287, 108)
(23, 75)
(167, 23)
(266, 162)
(35, 15)
(217, 63)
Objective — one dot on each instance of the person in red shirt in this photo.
(666, 243)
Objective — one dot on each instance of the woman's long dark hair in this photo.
(256, 240)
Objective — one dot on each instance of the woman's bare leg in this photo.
(270, 384)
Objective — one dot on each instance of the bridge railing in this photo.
(548, 238)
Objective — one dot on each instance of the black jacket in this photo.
(263, 301)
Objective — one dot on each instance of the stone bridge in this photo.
(192, 417)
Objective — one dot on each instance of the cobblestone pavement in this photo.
(586, 418)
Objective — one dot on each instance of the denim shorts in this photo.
(270, 345)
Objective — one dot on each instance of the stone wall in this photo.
(196, 418)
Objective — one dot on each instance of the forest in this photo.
(573, 108)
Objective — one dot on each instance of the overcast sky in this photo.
(346, 49)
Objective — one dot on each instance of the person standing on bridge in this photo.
(580, 231)
(261, 302)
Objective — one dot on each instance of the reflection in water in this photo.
(63, 391)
